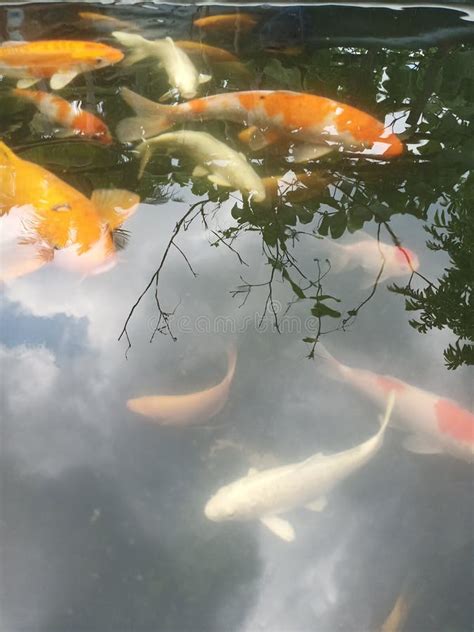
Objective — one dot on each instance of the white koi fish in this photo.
(437, 425)
(222, 165)
(369, 254)
(266, 494)
(186, 410)
(183, 76)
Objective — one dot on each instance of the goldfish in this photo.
(314, 124)
(370, 254)
(210, 52)
(436, 424)
(221, 164)
(192, 408)
(62, 223)
(294, 187)
(60, 61)
(107, 21)
(68, 115)
(264, 495)
(227, 22)
(183, 76)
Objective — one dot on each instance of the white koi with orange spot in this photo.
(68, 115)
(317, 123)
(437, 424)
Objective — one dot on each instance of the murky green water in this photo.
(102, 509)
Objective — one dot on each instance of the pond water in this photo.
(361, 257)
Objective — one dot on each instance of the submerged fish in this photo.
(266, 494)
(438, 425)
(295, 187)
(210, 52)
(185, 410)
(62, 222)
(227, 22)
(221, 164)
(183, 76)
(315, 124)
(68, 115)
(370, 254)
(60, 61)
(395, 622)
(107, 21)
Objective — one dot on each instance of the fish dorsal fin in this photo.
(114, 205)
(62, 78)
(6, 154)
(279, 527)
(10, 43)
(252, 471)
(26, 83)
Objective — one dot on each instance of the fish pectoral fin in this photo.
(62, 78)
(279, 527)
(114, 205)
(219, 180)
(199, 171)
(204, 78)
(304, 152)
(317, 505)
(26, 83)
(256, 138)
(421, 445)
(172, 93)
(134, 57)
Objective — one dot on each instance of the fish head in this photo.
(96, 55)
(407, 261)
(93, 127)
(227, 504)
(393, 146)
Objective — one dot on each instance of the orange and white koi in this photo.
(227, 22)
(185, 410)
(59, 216)
(68, 115)
(370, 254)
(316, 125)
(437, 424)
(60, 61)
(212, 53)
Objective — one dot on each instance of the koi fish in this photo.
(210, 52)
(60, 217)
(185, 410)
(227, 22)
(68, 115)
(266, 494)
(60, 61)
(183, 76)
(437, 425)
(316, 125)
(370, 254)
(294, 187)
(396, 620)
(222, 165)
(107, 21)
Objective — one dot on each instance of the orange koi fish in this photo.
(60, 61)
(185, 410)
(227, 22)
(68, 115)
(107, 21)
(59, 217)
(316, 125)
(211, 52)
(437, 425)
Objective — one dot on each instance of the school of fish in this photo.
(45, 220)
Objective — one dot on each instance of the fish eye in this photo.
(99, 60)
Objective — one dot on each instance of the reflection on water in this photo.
(273, 499)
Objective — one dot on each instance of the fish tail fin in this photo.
(152, 118)
(231, 362)
(339, 257)
(335, 367)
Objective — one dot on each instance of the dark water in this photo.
(101, 515)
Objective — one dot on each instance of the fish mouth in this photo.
(210, 512)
